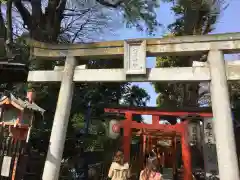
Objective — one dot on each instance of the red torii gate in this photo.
(181, 129)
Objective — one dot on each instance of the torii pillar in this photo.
(222, 117)
(60, 123)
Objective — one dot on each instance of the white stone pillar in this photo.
(222, 118)
(60, 123)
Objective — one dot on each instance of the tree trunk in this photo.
(2, 24)
(2, 33)
(43, 26)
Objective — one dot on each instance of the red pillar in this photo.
(186, 153)
(155, 120)
(150, 143)
(174, 150)
(127, 135)
(141, 154)
(144, 147)
(154, 141)
(144, 144)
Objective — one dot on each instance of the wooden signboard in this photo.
(6, 164)
(209, 148)
(194, 139)
(194, 133)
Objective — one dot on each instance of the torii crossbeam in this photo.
(134, 53)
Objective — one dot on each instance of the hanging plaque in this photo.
(194, 133)
(6, 164)
(135, 57)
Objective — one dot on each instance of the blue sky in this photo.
(226, 23)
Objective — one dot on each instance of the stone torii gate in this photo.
(134, 53)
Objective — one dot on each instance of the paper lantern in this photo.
(114, 129)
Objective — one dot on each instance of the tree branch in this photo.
(9, 41)
(109, 4)
(26, 16)
(36, 12)
(80, 29)
(37, 18)
(2, 24)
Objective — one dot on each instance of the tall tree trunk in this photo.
(193, 25)
(43, 26)
(9, 39)
(191, 94)
(2, 33)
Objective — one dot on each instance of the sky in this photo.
(226, 23)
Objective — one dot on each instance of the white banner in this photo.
(6, 166)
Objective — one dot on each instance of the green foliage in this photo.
(192, 18)
(78, 121)
(135, 96)
(3, 1)
(138, 11)
(60, 22)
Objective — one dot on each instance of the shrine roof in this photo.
(13, 72)
(8, 64)
(20, 104)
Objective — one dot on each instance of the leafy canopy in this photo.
(192, 18)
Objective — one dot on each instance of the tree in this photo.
(135, 96)
(192, 18)
(44, 24)
(59, 21)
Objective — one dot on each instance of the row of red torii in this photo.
(155, 130)
(134, 53)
